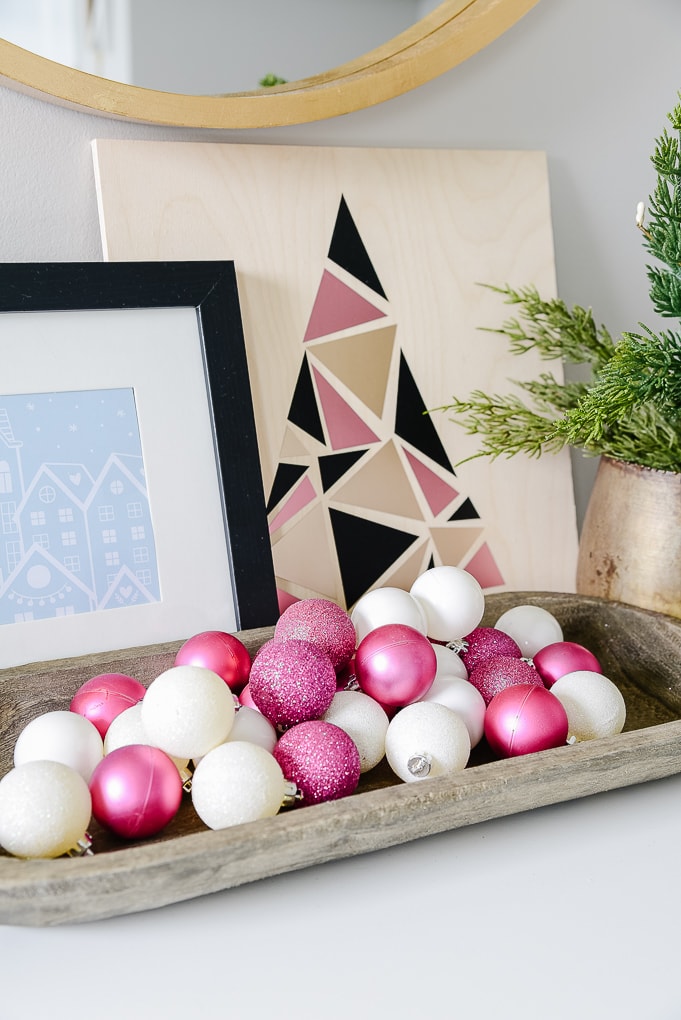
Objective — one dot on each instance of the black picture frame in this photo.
(210, 289)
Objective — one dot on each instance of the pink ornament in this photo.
(322, 623)
(562, 657)
(223, 653)
(395, 664)
(484, 642)
(292, 681)
(245, 698)
(523, 719)
(321, 759)
(498, 672)
(103, 697)
(136, 790)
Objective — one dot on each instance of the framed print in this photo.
(131, 499)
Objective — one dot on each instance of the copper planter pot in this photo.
(630, 545)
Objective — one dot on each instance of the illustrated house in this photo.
(119, 523)
(41, 587)
(11, 490)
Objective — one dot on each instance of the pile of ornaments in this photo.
(409, 677)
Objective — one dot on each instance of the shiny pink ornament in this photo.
(395, 664)
(484, 642)
(224, 653)
(562, 657)
(498, 672)
(523, 719)
(246, 699)
(292, 681)
(105, 696)
(322, 623)
(321, 759)
(136, 790)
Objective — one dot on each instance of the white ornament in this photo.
(252, 726)
(386, 605)
(594, 705)
(237, 782)
(66, 737)
(452, 601)
(45, 809)
(187, 711)
(364, 721)
(449, 663)
(462, 697)
(426, 739)
(531, 627)
(127, 728)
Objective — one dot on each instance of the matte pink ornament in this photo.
(292, 681)
(321, 759)
(483, 642)
(395, 664)
(322, 623)
(136, 790)
(562, 657)
(223, 653)
(245, 698)
(523, 719)
(105, 696)
(498, 672)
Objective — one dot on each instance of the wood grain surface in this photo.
(639, 650)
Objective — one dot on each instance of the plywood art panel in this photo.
(359, 274)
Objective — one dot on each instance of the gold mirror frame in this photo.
(444, 38)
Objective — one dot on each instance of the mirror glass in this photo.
(206, 47)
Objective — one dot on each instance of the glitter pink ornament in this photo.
(523, 719)
(322, 623)
(562, 657)
(395, 664)
(321, 759)
(223, 653)
(292, 681)
(498, 672)
(136, 790)
(483, 642)
(105, 696)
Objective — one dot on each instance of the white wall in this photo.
(588, 82)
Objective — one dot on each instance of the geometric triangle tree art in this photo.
(366, 495)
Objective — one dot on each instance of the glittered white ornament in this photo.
(462, 697)
(531, 627)
(593, 703)
(66, 737)
(386, 605)
(252, 726)
(364, 721)
(452, 601)
(449, 663)
(237, 782)
(45, 809)
(426, 739)
(187, 711)
(128, 728)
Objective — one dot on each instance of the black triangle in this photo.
(334, 465)
(286, 477)
(466, 512)
(413, 423)
(304, 411)
(347, 250)
(431, 563)
(365, 551)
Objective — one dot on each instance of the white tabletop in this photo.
(569, 911)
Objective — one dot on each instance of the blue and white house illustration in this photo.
(76, 532)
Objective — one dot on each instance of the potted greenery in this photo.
(628, 413)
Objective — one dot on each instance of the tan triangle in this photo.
(382, 484)
(455, 544)
(362, 363)
(407, 572)
(304, 556)
(293, 446)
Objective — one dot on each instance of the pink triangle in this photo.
(303, 495)
(285, 599)
(345, 428)
(338, 307)
(438, 493)
(484, 569)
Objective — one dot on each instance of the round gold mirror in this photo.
(442, 39)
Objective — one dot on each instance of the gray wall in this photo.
(587, 81)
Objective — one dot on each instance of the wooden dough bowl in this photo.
(639, 650)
